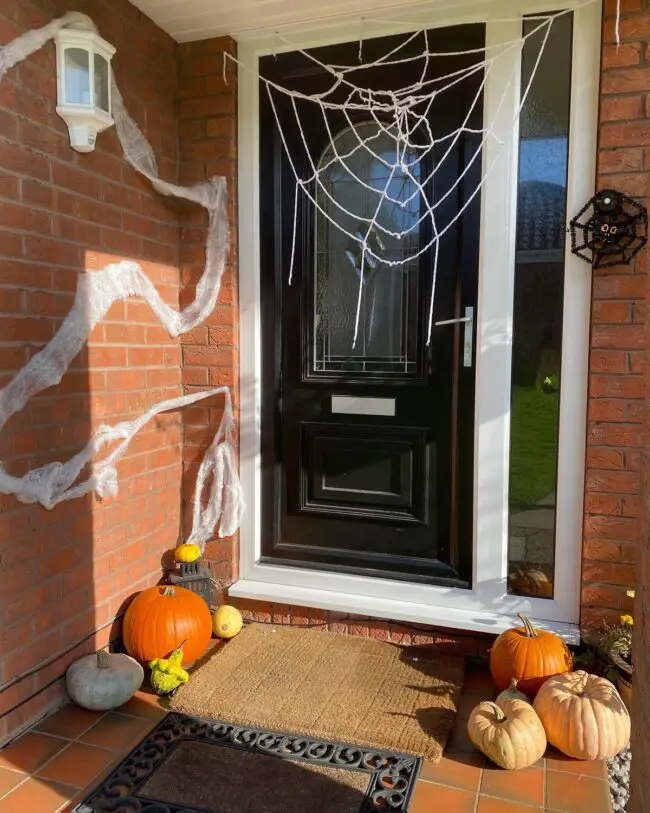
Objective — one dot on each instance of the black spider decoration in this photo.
(609, 230)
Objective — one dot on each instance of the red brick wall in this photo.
(66, 572)
(469, 644)
(208, 132)
(615, 435)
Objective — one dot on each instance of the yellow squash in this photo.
(227, 621)
(187, 552)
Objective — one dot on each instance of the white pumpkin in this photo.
(510, 733)
(104, 680)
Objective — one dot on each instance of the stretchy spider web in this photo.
(401, 117)
(96, 292)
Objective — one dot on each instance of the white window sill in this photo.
(392, 609)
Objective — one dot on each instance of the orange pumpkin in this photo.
(531, 656)
(161, 618)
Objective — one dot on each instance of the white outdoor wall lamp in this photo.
(83, 72)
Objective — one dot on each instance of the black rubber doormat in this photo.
(191, 765)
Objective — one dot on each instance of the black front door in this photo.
(367, 449)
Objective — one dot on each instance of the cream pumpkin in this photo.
(583, 715)
(510, 734)
(511, 693)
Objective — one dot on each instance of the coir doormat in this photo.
(327, 686)
(190, 765)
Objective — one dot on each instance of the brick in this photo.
(11, 245)
(624, 160)
(602, 596)
(23, 161)
(617, 435)
(619, 56)
(626, 7)
(623, 286)
(628, 134)
(622, 108)
(608, 573)
(632, 506)
(610, 482)
(625, 337)
(602, 457)
(76, 180)
(607, 504)
(608, 361)
(208, 65)
(613, 386)
(632, 28)
(628, 80)
(607, 410)
(612, 527)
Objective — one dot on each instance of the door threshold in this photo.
(481, 621)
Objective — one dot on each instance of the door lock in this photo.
(468, 333)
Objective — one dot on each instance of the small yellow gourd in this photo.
(187, 552)
(167, 674)
(227, 621)
(510, 734)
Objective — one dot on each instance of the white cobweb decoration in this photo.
(401, 117)
(218, 495)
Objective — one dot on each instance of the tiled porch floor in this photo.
(52, 767)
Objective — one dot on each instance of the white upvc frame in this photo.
(486, 607)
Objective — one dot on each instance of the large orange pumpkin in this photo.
(161, 618)
(530, 655)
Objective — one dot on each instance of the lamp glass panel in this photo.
(77, 76)
(101, 83)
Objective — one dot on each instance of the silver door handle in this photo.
(468, 333)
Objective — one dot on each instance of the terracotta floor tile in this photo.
(70, 722)
(37, 796)
(78, 765)
(462, 770)
(9, 780)
(466, 706)
(490, 805)
(569, 793)
(429, 798)
(525, 786)
(479, 683)
(28, 753)
(142, 706)
(556, 761)
(459, 740)
(117, 731)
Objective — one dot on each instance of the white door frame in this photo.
(486, 607)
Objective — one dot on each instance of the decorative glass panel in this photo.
(77, 76)
(539, 286)
(386, 343)
(101, 83)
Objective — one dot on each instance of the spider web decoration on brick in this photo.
(218, 499)
(610, 229)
